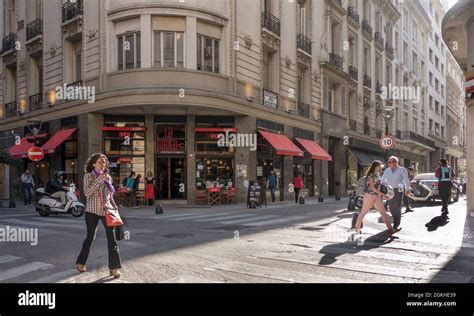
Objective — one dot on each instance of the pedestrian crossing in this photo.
(244, 219)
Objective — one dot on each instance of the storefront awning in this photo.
(215, 129)
(316, 151)
(365, 158)
(50, 146)
(282, 144)
(20, 150)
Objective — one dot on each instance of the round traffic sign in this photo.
(387, 142)
(35, 154)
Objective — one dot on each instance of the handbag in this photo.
(112, 217)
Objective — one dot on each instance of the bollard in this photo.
(321, 198)
(159, 209)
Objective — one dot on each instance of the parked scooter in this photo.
(420, 193)
(49, 205)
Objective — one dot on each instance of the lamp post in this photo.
(388, 117)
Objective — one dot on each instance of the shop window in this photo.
(121, 167)
(214, 172)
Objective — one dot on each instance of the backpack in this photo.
(361, 186)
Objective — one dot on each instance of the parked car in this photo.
(431, 182)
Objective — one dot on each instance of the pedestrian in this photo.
(373, 197)
(27, 184)
(272, 184)
(464, 184)
(445, 175)
(136, 183)
(297, 185)
(406, 199)
(396, 177)
(150, 188)
(99, 191)
(129, 187)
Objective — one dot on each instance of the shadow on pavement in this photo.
(353, 247)
(436, 222)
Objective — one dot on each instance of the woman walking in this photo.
(99, 192)
(150, 188)
(373, 197)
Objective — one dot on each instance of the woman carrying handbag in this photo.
(101, 206)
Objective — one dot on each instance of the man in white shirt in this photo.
(396, 177)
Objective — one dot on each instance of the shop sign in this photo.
(168, 144)
(270, 99)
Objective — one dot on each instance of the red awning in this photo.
(316, 151)
(50, 146)
(282, 144)
(20, 150)
(123, 129)
(215, 129)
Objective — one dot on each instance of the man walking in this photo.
(396, 177)
(272, 184)
(27, 183)
(445, 175)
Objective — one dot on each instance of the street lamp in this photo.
(388, 116)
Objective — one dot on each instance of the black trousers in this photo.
(92, 220)
(445, 193)
(395, 206)
(297, 194)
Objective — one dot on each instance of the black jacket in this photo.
(54, 185)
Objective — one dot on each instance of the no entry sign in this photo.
(35, 154)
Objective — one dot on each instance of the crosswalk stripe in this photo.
(23, 269)
(16, 215)
(254, 219)
(61, 220)
(214, 219)
(56, 277)
(35, 224)
(199, 216)
(173, 215)
(273, 221)
(8, 258)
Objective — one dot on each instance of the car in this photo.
(431, 182)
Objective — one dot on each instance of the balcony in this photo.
(379, 133)
(271, 23)
(11, 109)
(353, 17)
(35, 101)
(336, 60)
(353, 72)
(367, 82)
(336, 6)
(353, 125)
(379, 41)
(72, 10)
(34, 29)
(414, 137)
(303, 109)
(389, 51)
(303, 43)
(366, 129)
(367, 30)
(378, 88)
(8, 42)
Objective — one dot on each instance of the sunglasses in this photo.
(391, 161)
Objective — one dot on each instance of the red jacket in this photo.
(298, 183)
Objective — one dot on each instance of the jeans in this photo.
(92, 220)
(272, 192)
(445, 194)
(27, 193)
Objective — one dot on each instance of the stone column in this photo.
(89, 139)
(191, 159)
(149, 145)
(245, 156)
(288, 169)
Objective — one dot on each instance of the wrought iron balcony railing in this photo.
(8, 42)
(352, 13)
(11, 109)
(35, 101)
(303, 43)
(367, 28)
(72, 10)
(271, 22)
(353, 72)
(379, 39)
(336, 60)
(367, 81)
(34, 29)
(409, 135)
(303, 109)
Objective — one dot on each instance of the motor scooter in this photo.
(50, 205)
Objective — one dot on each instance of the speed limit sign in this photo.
(387, 142)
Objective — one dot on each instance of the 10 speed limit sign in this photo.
(387, 142)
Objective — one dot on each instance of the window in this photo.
(431, 125)
(415, 32)
(436, 128)
(442, 90)
(415, 125)
(437, 62)
(207, 54)
(303, 19)
(169, 49)
(431, 55)
(405, 22)
(437, 107)
(422, 128)
(405, 121)
(129, 51)
(431, 102)
(437, 85)
(431, 79)
(437, 40)
(442, 110)
(442, 69)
